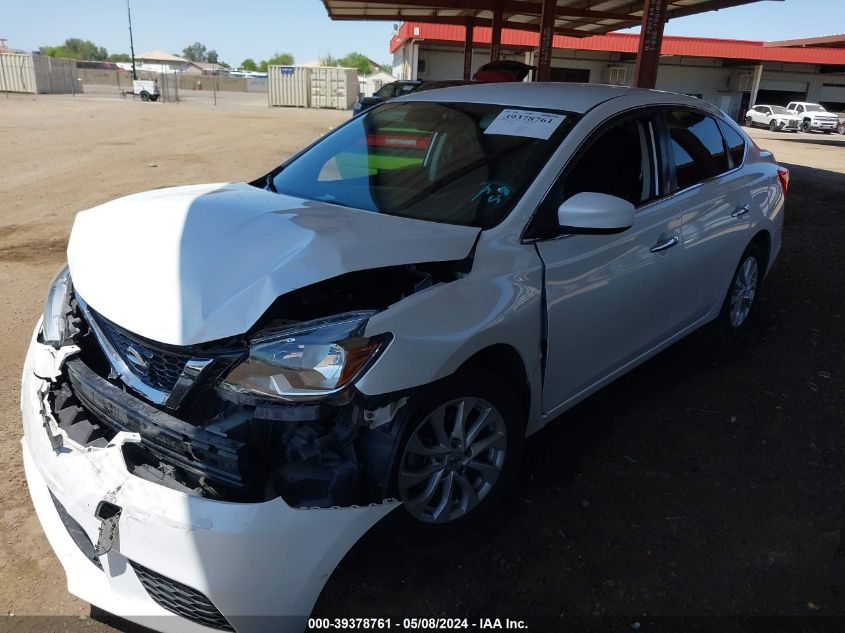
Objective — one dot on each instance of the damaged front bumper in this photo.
(174, 561)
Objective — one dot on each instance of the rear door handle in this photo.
(665, 245)
(741, 211)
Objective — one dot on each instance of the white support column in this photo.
(755, 85)
(415, 58)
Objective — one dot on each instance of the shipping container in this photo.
(335, 88)
(289, 86)
(37, 74)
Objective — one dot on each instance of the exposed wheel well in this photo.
(764, 241)
(504, 361)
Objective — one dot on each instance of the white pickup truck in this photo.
(814, 117)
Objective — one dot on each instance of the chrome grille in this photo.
(181, 599)
(156, 368)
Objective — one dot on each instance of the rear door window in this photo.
(698, 151)
(735, 143)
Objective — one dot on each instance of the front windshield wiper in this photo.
(269, 184)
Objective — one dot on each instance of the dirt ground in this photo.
(710, 481)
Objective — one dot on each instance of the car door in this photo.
(609, 297)
(765, 116)
(756, 114)
(715, 197)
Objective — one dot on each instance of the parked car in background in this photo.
(813, 117)
(400, 88)
(776, 118)
(841, 126)
(370, 330)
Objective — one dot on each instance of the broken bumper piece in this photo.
(165, 559)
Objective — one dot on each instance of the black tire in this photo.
(412, 531)
(145, 96)
(153, 97)
(748, 122)
(805, 126)
(725, 318)
(841, 128)
(773, 126)
(828, 131)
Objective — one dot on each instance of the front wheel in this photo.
(841, 128)
(458, 457)
(742, 294)
(773, 126)
(153, 97)
(805, 126)
(145, 96)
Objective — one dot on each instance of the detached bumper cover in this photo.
(260, 566)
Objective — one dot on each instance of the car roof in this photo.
(572, 97)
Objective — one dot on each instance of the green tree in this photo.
(328, 60)
(360, 62)
(249, 64)
(212, 57)
(120, 57)
(75, 48)
(279, 59)
(196, 52)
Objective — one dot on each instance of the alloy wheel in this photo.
(743, 291)
(452, 460)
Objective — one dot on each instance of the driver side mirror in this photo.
(595, 213)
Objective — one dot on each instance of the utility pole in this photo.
(131, 43)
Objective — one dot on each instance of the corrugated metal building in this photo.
(37, 74)
(723, 72)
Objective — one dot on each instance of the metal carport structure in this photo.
(575, 18)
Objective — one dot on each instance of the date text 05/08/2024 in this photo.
(415, 624)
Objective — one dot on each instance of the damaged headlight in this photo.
(307, 360)
(55, 327)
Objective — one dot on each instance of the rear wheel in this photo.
(740, 300)
(153, 97)
(145, 96)
(458, 457)
(748, 121)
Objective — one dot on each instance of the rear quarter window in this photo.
(734, 142)
(698, 150)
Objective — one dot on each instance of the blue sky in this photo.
(258, 28)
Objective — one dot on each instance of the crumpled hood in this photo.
(193, 264)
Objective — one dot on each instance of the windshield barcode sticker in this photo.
(525, 123)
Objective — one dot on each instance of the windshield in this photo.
(815, 108)
(780, 110)
(459, 163)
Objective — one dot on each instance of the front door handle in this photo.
(665, 245)
(741, 211)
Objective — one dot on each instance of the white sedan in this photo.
(370, 330)
(776, 118)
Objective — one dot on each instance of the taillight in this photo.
(783, 176)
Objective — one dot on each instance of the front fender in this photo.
(435, 331)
